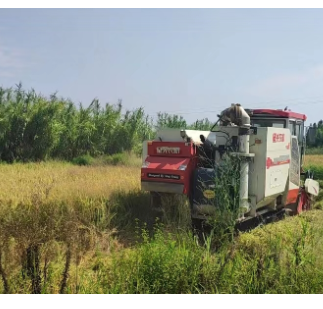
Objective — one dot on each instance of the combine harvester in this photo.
(270, 146)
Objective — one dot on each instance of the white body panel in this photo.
(174, 135)
(169, 135)
(312, 187)
(194, 135)
(265, 181)
(269, 170)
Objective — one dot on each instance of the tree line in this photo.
(35, 128)
(314, 138)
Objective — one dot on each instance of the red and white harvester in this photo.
(270, 145)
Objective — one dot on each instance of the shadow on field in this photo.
(132, 210)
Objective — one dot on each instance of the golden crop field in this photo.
(316, 160)
(64, 182)
(64, 240)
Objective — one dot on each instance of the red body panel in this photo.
(278, 113)
(171, 149)
(270, 163)
(165, 163)
(292, 196)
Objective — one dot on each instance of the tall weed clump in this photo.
(163, 264)
(284, 257)
(35, 236)
(222, 220)
(279, 258)
(227, 185)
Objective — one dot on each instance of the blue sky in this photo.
(190, 61)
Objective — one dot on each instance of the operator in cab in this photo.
(206, 153)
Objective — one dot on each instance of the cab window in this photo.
(268, 123)
(296, 129)
(292, 127)
(299, 132)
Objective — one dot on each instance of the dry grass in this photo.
(64, 182)
(59, 205)
(100, 264)
(316, 160)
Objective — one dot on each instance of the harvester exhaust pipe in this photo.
(244, 164)
(244, 172)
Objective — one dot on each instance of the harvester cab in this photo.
(282, 119)
(257, 153)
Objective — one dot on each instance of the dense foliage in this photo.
(34, 128)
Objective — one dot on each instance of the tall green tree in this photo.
(34, 128)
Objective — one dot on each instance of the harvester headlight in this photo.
(145, 164)
(182, 167)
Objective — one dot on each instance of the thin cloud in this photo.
(11, 62)
(277, 84)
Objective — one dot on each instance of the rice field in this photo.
(59, 181)
(316, 160)
(73, 229)
(315, 163)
